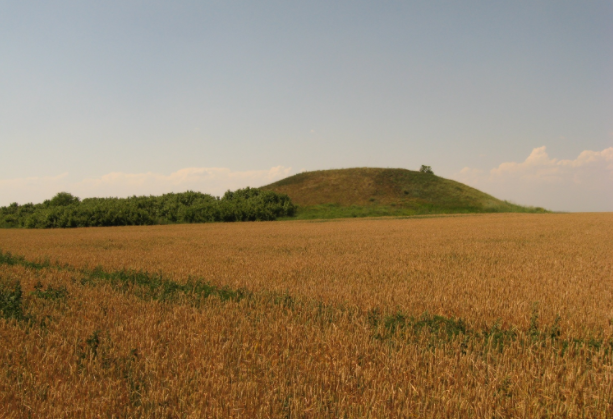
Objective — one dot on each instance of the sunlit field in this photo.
(506, 315)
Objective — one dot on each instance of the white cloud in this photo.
(582, 184)
(214, 181)
(30, 181)
(27, 189)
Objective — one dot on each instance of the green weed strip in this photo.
(145, 285)
(391, 330)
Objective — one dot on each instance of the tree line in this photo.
(65, 210)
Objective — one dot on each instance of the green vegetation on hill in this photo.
(341, 193)
(65, 210)
(367, 192)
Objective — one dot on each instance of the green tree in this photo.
(63, 199)
(426, 169)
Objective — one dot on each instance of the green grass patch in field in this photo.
(11, 300)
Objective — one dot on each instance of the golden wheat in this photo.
(107, 350)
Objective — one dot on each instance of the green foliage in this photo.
(8, 259)
(444, 327)
(11, 300)
(155, 287)
(62, 199)
(65, 210)
(426, 169)
(50, 293)
(402, 327)
(147, 285)
(331, 211)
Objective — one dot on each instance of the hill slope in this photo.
(376, 192)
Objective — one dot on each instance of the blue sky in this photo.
(118, 98)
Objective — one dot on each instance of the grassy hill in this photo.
(361, 192)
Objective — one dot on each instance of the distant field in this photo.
(498, 315)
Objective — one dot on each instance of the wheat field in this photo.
(505, 315)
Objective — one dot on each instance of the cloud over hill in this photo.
(582, 184)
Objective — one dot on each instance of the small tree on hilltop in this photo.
(426, 169)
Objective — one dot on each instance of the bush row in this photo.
(65, 210)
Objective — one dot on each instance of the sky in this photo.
(118, 98)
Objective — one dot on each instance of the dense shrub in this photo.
(65, 210)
